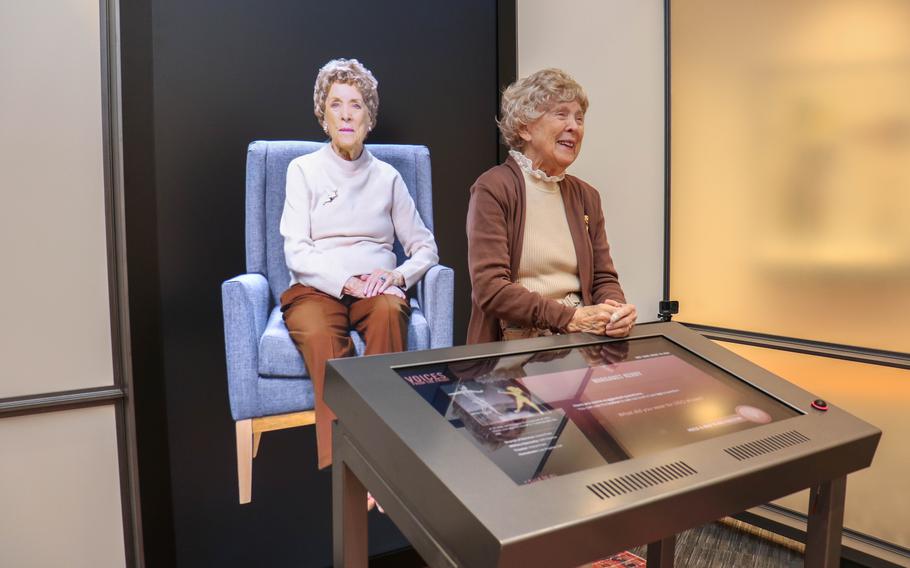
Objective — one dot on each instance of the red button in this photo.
(819, 404)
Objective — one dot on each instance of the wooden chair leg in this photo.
(256, 437)
(245, 459)
(249, 434)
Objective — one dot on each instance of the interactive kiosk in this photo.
(561, 450)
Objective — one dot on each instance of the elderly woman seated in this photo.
(342, 212)
(537, 248)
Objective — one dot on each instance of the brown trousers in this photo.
(320, 324)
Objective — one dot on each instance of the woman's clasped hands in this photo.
(379, 281)
(609, 318)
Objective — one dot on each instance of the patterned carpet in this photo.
(729, 543)
(724, 544)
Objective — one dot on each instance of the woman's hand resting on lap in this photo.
(379, 280)
(356, 286)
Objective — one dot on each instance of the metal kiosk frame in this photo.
(457, 508)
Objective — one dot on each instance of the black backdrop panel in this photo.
(200, 81)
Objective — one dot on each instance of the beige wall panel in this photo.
(877, 498)
(614, 48)
(60, 490)
(53, 293)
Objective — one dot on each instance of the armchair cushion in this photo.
(280, 396)
(279, 358)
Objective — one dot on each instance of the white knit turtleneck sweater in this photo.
(341, 217)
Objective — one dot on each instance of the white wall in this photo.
(55, 332)
(60, 502)
(614, 48)
(58, 485)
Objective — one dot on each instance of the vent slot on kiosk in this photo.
(641, 480)
(766, 445)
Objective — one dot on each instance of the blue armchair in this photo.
(268, 384)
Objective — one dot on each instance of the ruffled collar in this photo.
(524, 163)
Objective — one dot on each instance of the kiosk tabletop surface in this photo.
(525, 448)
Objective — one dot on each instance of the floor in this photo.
(733, 544)
(723, 544)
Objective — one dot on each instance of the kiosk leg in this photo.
(349, 518)
(826, 520)
(660, 553)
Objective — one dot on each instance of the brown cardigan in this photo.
(495, 226)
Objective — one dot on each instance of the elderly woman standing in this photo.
(342, 212)
(537, 249)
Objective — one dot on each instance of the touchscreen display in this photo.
(550, 413)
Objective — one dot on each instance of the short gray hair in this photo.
(527, 99)
(349, 72)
